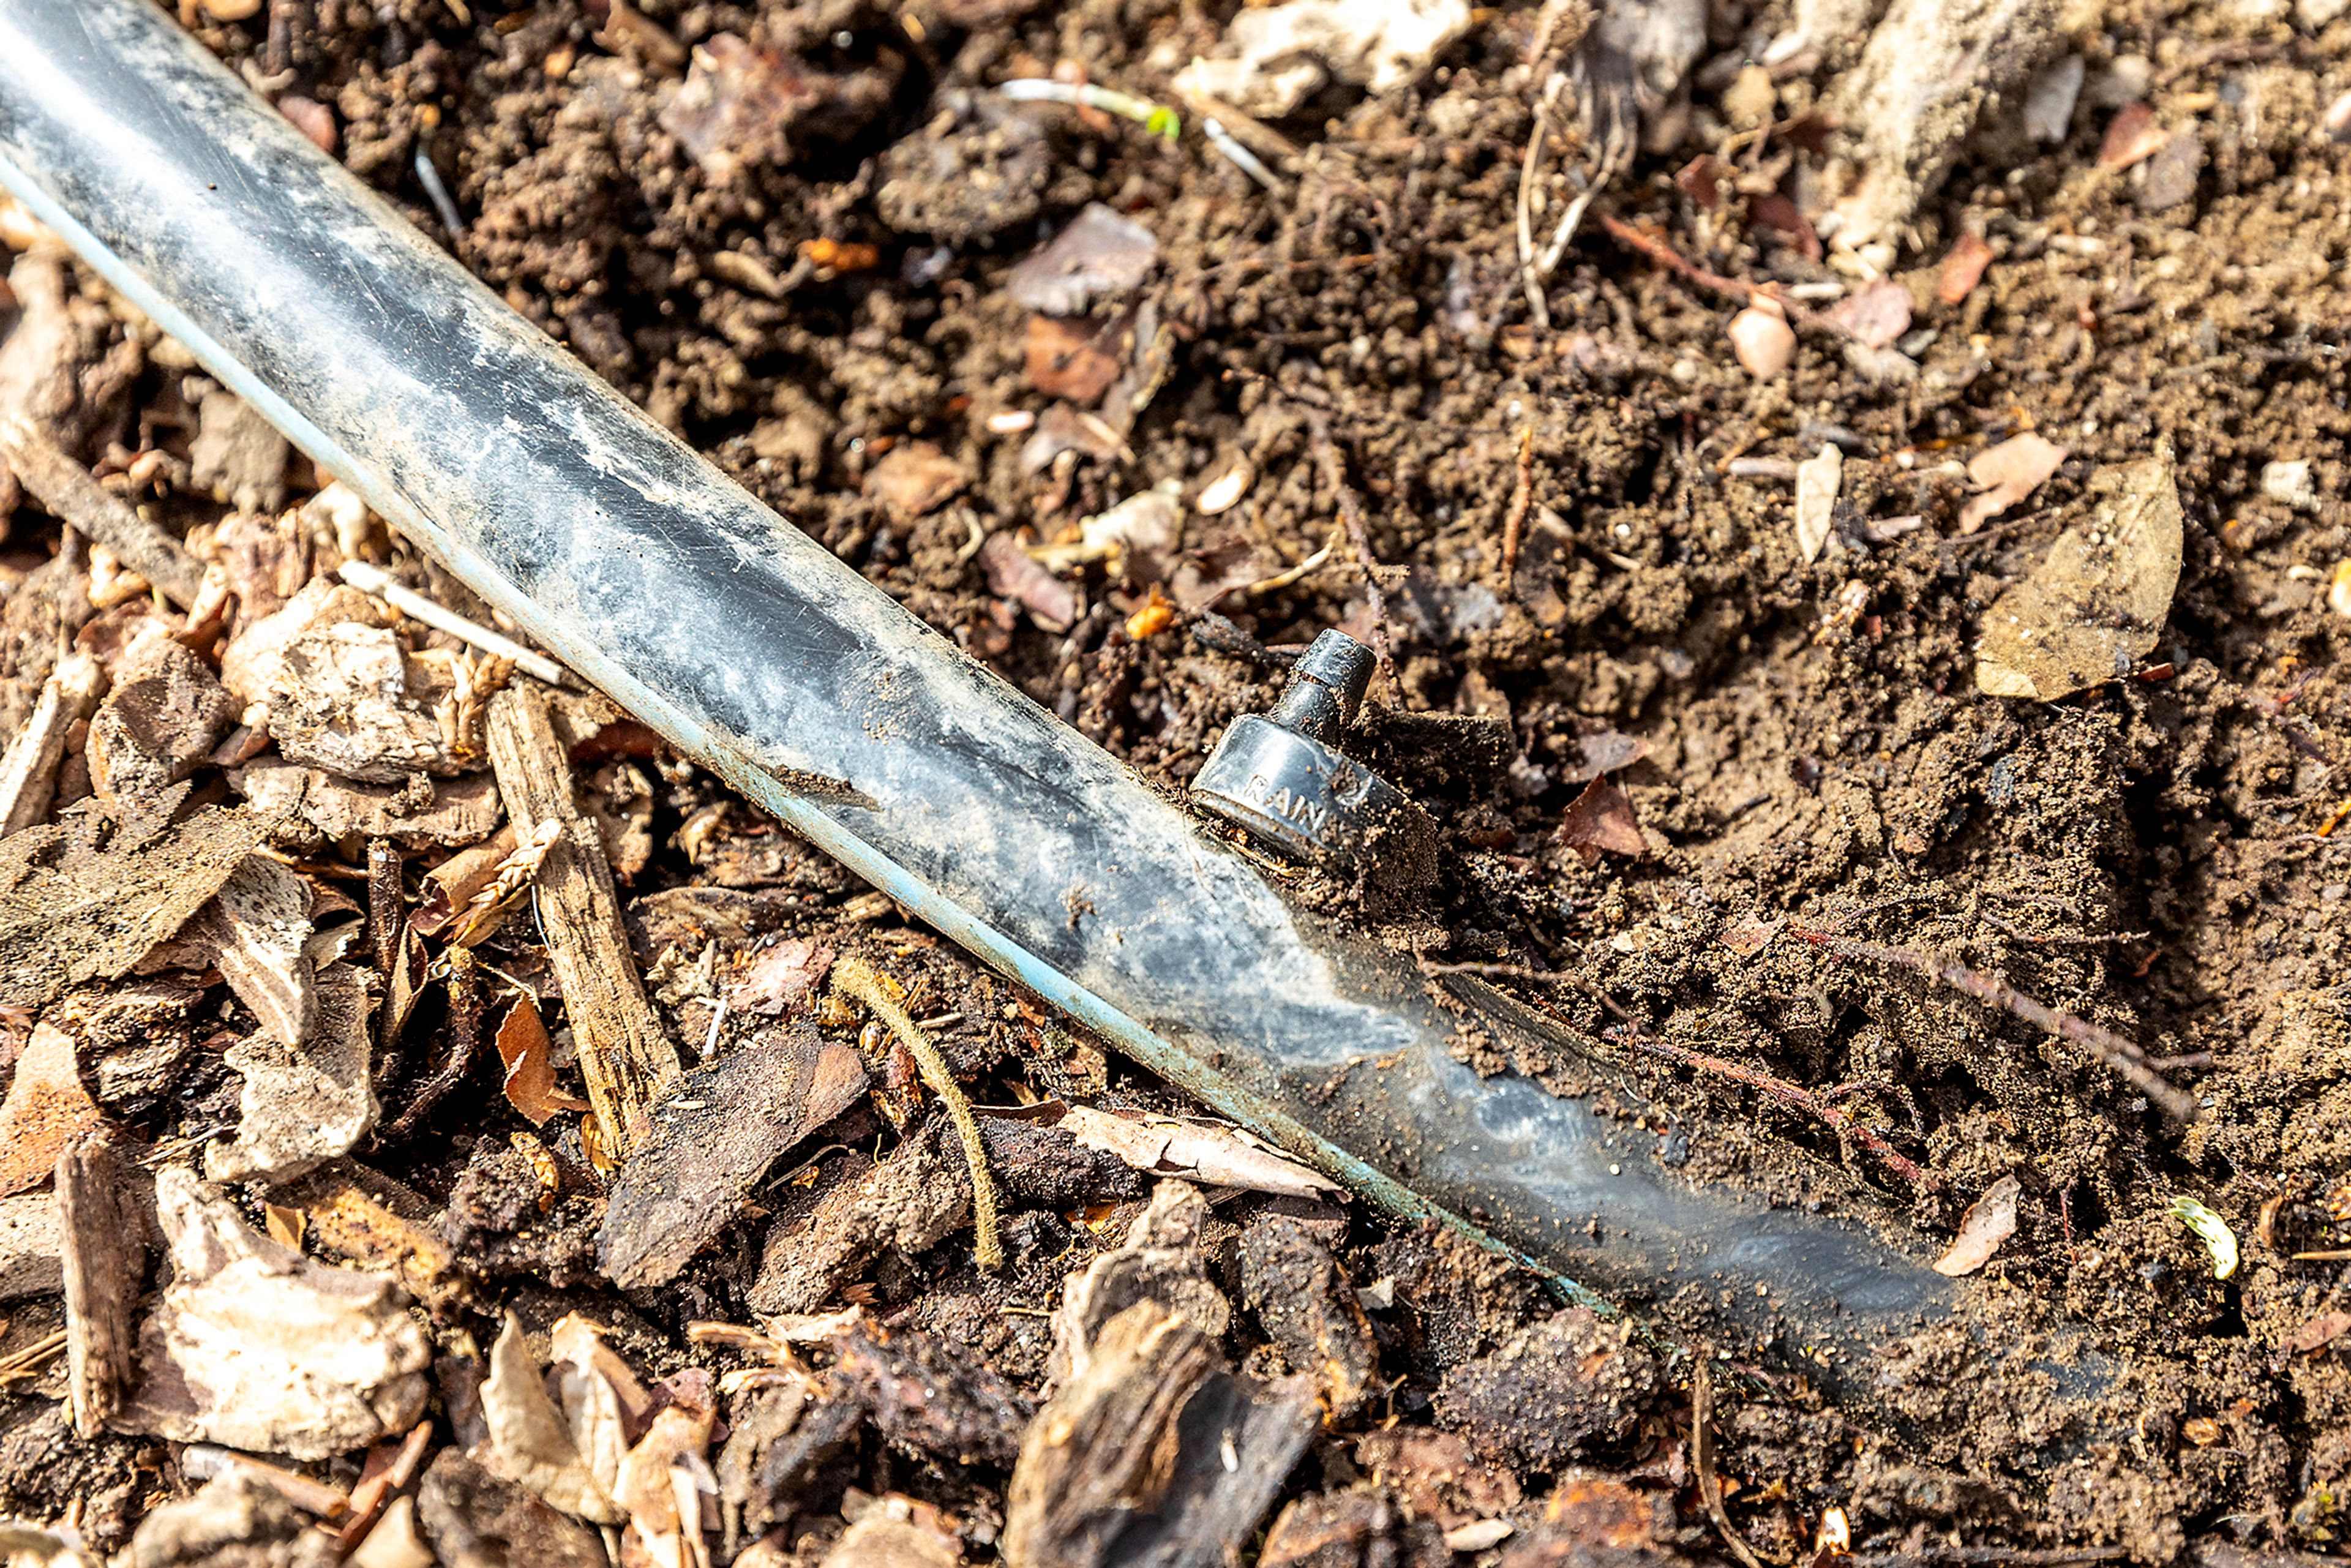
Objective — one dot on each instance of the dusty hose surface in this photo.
(755, 650)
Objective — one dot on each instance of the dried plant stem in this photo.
(1522, 495)
(465, 1041)
(2125, 1060)
(1788, 1094)
(1673, 261)
(863, 982)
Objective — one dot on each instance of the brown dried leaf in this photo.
(530, 1442)
(736, 104)
(1990, 1221)
(781, 976)
(529, 1058)
(1601, 820)
(1875, 315)
(2008, 473)
(2319, 1333)
(1100, 256)
(2097, 601)
(47, 1108)
(1963, 268)
(1775, 212)
(914, 478)
(1207, 1153)
(1013, 574)
(1604, 751)
(2132, 135)
(1073, 357)
(1750, 935)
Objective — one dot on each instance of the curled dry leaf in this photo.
(1076, 356)
(2319, 1333)
(1226, 488)
(47, 1108)
(2008, 473)
(1604, 751)
(1990, 1221)
(1013, 574)
(1601, 820)
(529, 1058)
(1100, 256)
(1818, 479)
(530, 1441)
(1205, 1152)
(2132, 137)
(913, 479)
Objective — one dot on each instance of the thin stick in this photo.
(465, 1042)
(1351, 514)
(1522, 496)
(408, 601)
(862, 981)
(1709, 1485)
(1672, 260)
(2125, 1060)
(65, 487)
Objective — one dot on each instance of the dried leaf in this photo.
(1012, 574)
(913, 479)
(2131, 136)
(47, 1108)
(1601, 820)
(1076, 356)
(2008, 473)
(1963, 268)
(781, 976)
(2319, 1333)
(530, 1442)
(2097, 601)
(1990, 1221)
(736, 104)
(1877, 314)
(1604, 751)
(604, 1404)
(529, 1058)
(1100, 256)
(1776, 212)
(666, 1518)
(1205, 1152)
(1750, 935)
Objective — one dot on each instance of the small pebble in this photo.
(2338, 119)
(1764, 342)
(311, 117)
(230, 10)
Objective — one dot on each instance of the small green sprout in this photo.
(2219, 1240)
(1156, 118)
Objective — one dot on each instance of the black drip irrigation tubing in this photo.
(753, 649)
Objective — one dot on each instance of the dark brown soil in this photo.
(2155, 855)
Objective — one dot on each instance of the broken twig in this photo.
(624, 1057)
(862, 981)
(65, 487)
(1672, 260)
(2126, 1061)
(1351, 513)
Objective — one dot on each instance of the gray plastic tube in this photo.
(755, 650)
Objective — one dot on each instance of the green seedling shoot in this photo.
(1159, 121)
(2219, 1240)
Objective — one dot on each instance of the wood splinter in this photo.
(625, 1056)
